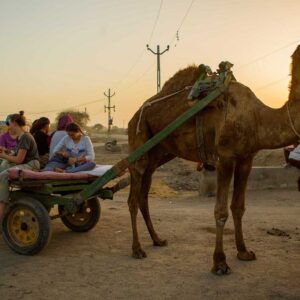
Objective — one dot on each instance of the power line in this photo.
(267, 54)
(272, 83)
(139, 78)
(182, 21)
(156, 21)
(61, 109)
(175, 37)
(143, 50)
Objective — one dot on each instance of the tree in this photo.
(98, 127)
(79, 117)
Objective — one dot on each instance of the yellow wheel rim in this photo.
(23, 227)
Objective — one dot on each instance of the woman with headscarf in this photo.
(75, 150)
(60, 132)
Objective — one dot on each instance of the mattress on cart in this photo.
(17, 174)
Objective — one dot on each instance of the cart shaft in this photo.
(122, 165)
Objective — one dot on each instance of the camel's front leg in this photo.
(225, 170)
(241, 173)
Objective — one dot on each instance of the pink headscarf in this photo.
(64, 121)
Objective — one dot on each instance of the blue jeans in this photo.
(55, 162)
(87, 166)
(58, 162)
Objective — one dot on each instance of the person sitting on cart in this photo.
(8, 140)
(293, 156)
(25, 156)
(60, 132)
(77, 151)
(39, 130)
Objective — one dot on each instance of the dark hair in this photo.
(33, 127)
(39, 124)
(73, 127)
(18, 118)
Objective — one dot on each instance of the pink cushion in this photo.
(16, 174)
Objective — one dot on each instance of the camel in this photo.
(236, 126)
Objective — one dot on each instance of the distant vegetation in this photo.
(82, 119)
(79, 117)
(99, 128)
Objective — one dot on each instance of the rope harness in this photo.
(207, 83)
(291, 122)
(148, 104)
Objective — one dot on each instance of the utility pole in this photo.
(109, 107)
(158, 54)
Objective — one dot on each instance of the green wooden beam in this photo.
(98, 184)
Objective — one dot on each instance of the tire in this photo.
(85, 219)
(109, 146)
(26, 226)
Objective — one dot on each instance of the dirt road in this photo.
(98, 265)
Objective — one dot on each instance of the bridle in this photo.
(291, 122)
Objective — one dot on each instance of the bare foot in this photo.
(59, 170)
(191, 102)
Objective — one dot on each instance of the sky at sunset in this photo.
(57, 55)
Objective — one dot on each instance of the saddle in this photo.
(208, 80)
(206, 83)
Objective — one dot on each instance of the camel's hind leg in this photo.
(144, 208)
(133, 204)
(225, 170)
(242, 171)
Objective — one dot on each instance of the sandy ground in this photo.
(98, 264)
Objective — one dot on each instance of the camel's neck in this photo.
(274, 127)
(295, 81)
(294, 90)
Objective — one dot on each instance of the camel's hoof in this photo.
(139, 254)
(221, 269)
(160, 243)
(246, 255)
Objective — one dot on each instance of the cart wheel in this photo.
(85, 218)
(26, 226)
(109, 146)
